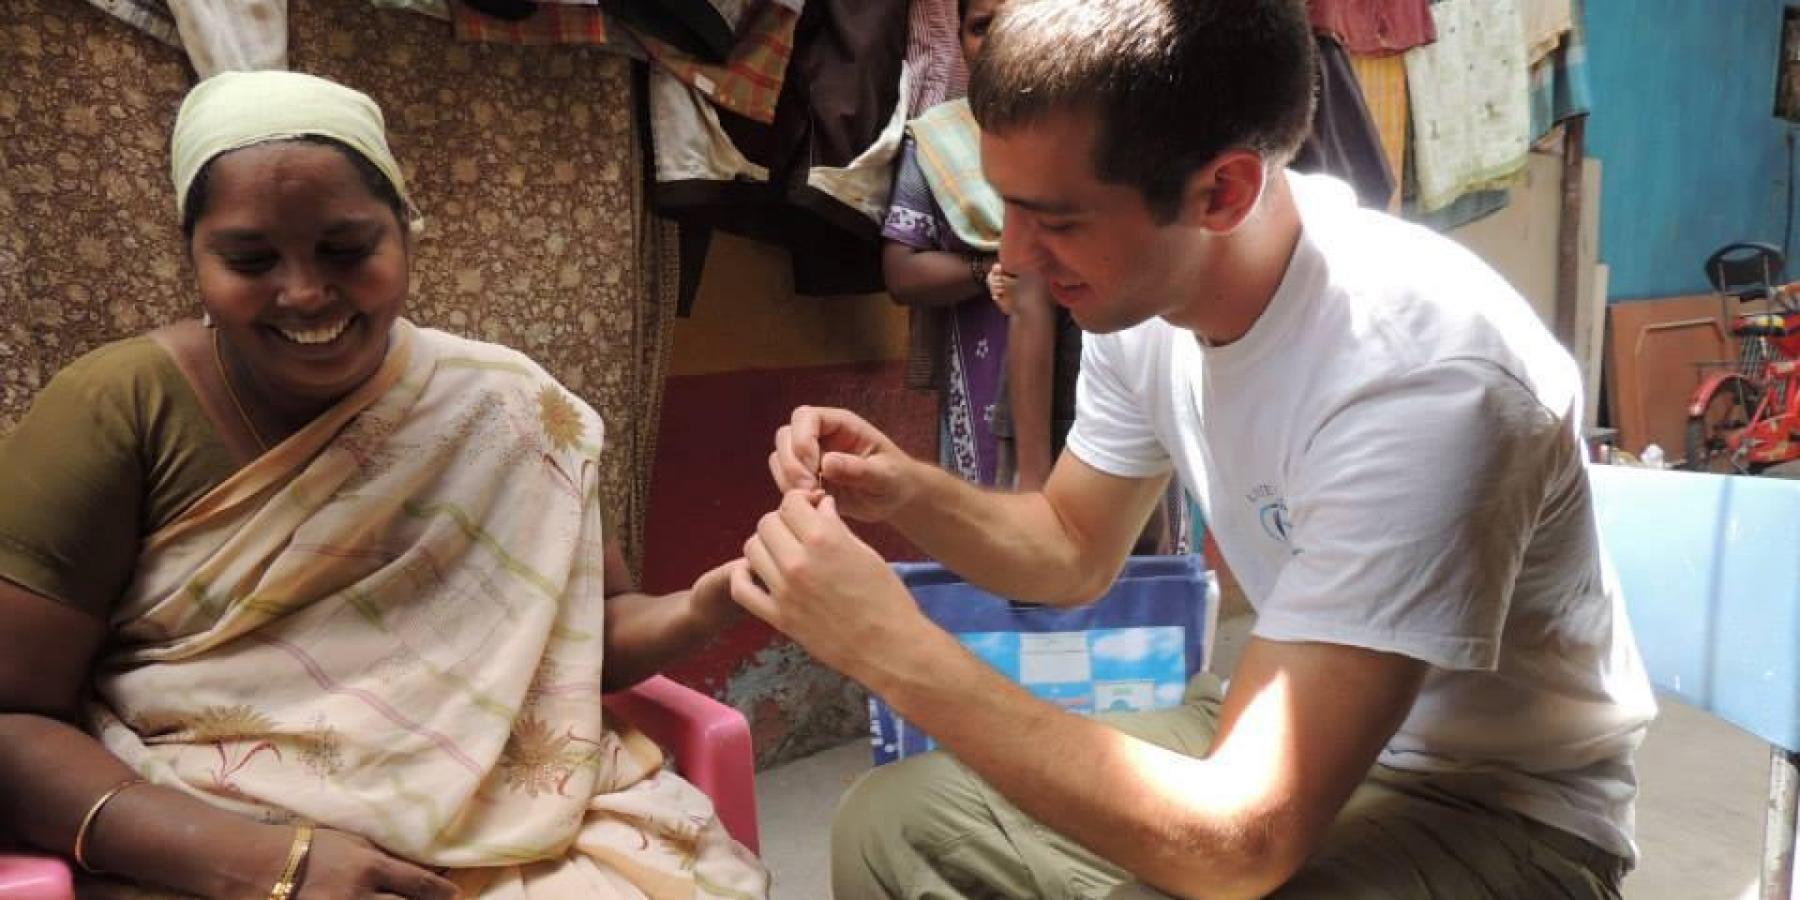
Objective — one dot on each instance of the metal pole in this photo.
(1778, 829)
(1568, 232)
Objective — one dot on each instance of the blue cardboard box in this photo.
(1133, 649)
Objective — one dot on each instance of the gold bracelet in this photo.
(87, 822)
(290, 872)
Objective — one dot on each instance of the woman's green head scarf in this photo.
(233, 110)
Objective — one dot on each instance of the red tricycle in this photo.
(1745, 415)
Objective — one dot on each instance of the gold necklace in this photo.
(262, 446)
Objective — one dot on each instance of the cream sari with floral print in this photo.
(391, 625)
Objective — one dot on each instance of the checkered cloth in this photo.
(749, 81)
(949, 144)
(551, 23)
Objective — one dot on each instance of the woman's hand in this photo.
(808, 575)
(711, 598)
(345, 865)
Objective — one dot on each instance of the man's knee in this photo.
(909, 801)
(894, 819)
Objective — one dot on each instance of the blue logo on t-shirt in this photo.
(1275, 519)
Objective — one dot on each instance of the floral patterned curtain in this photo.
(525, 161)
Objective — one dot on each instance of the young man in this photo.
(1442, 695)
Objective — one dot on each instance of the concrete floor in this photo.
(1700, 813)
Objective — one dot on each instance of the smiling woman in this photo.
(302, 270)
(303, 595)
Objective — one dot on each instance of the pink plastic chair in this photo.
(709, 740)
(35, 878)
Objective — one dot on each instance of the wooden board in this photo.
(1652, 350)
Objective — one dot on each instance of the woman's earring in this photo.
(206, 318)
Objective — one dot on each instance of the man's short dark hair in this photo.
(1171, 83)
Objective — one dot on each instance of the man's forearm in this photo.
(1167, 818)
(1012, 544)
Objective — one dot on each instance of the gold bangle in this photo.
(87, 822)
(290, 871)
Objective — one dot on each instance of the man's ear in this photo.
(1221, 195)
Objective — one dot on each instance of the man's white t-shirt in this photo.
(1390, 458)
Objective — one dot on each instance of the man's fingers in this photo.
(777, 473)
(846, 469)
(789, 469)
(750, 595)
(778, 535)
(842, 430)
(799, 513)
(803, 443)
(830, 520)
(762, 565)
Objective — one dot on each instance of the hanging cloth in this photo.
(1382, 80)
(1374, 27)
(703, 29)
(749, 80)
(436, 9)
(1546, 21)
(1344, 141)
(218, 35)
(149, 16)
(1559, 82)
(1470, 100)
(826, 159)
(949, 144)
(542, 25)
(934, 55)
(233, 35)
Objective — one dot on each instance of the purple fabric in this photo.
(976, 332)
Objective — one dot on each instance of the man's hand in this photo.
(821, 585)
(835, 449)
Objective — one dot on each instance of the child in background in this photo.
(942, 233)
(1003, 355)
(1037, 403)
